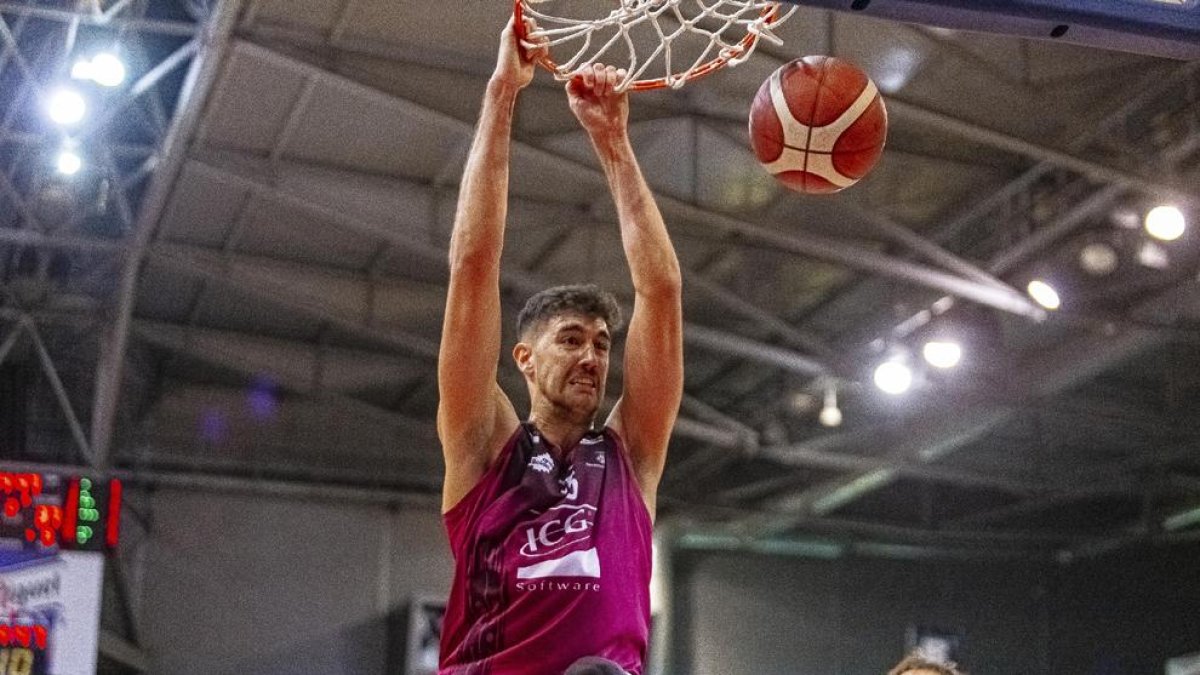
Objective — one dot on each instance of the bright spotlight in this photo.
(942, 354)
(82, 70)
(830, 415)
(1165, 223)
(1098, 259)
(66, 106)
(893, 377)
(107, 70)
(1044, 294)
(68, 163)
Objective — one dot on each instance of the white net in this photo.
(660, 43)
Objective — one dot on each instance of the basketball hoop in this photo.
(687, 43)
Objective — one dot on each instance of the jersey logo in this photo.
(542, 463)
(569, 486)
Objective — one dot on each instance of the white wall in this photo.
(237, 584)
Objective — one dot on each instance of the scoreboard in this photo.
(44, 511)
(55, 530)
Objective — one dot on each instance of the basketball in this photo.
(818, 124)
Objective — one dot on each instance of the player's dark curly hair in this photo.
(586, 299)
(915, 661)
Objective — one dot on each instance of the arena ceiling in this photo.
(242, 289)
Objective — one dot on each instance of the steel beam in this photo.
(833, 495)
(141, 25)
(1161, 186)
(60, 393)
(249, 485)
(231, 350)
(812, 246)
(201, 75)
(222, 167)
(145, 83)
(10, 340)
(736, 345)
(943, 432)
(242, 272)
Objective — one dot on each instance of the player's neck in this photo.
(560, 430)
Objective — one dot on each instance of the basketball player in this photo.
(915, 664)
(550, 518)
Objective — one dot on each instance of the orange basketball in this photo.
(818, 124)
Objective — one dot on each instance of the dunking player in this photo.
(550, 519)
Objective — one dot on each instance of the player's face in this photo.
(570, 362)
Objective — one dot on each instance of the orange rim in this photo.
(769, 14)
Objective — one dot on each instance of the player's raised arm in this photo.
(653, 378)
(474, 416)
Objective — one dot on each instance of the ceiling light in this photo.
(1165, 223)
(893, 377)
(830, 416)
(1044, 294)
(942, 353)
(68, 163)
(1153, 256)
(66, 106)
(107, 70)
(82, 70)
(1098, 259)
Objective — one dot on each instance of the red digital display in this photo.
(23, 649)
(23, 636)
(47, 511)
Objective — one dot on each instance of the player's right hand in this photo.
(515, 62)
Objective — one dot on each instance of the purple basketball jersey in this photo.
(552, 561)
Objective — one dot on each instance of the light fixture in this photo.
(1098, 259)
(830, 415)
(1044, 294)
(105, 69)
(82, 70)
(1153, 256)
(893, 377)
(1165, 222)
(68, 162)
(942, 353)
(66, 106)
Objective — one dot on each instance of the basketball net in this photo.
(665, 43)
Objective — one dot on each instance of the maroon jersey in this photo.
(552, 560)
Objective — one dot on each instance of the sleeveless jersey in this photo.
(552, 561)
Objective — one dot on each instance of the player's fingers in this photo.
(610, 80)
(601, 80)
(575, 84)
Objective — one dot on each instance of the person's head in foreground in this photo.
(564, 338)
(915, 664)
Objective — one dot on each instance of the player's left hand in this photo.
(596, 103)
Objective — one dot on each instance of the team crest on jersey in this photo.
(569, 486)
(542, 463)
(597, 459)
